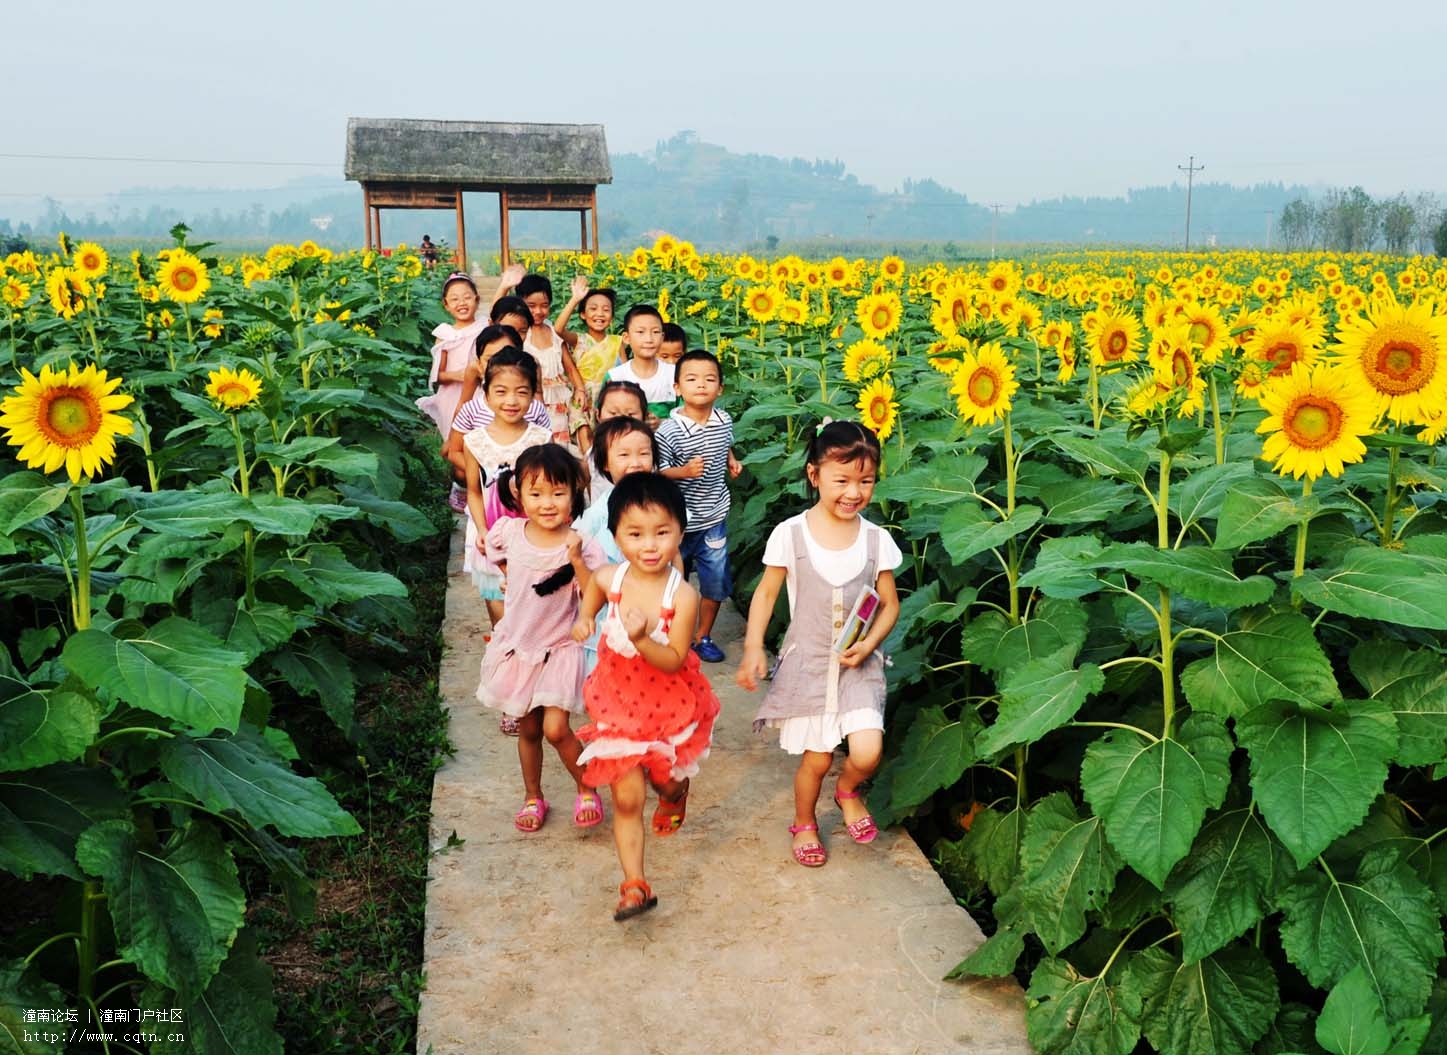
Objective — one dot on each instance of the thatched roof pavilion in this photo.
(413, 164)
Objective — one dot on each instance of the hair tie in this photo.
(820, 427)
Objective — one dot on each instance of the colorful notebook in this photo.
(861, 617)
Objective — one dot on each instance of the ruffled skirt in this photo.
(516, 681)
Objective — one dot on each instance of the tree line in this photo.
(1353, 221)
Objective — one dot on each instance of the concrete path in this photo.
(747, 951)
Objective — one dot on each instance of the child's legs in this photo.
(808, 779)
(865, 747)
(708, 552)
(530, 752)
(628, 794)
(560, 734)
(494, 612)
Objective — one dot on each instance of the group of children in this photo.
(595, 477)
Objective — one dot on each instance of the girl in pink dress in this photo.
(533, 668)
(652, 708)
(453, 351)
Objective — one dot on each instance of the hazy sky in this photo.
(1006, 101)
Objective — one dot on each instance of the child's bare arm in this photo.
(507, 282)
(670, 657)
(593, 597)
(884, 622)
(575, 376)
(579, 290)
(754, 664)
(476, 507)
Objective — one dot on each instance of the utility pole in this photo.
(1190, 169)
(994, 217)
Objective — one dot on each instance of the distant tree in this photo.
(1439, 239)
(1295, 227)
(1429, 215)
(1399, 219)
(1349, 220)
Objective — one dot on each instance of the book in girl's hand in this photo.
(861, 617)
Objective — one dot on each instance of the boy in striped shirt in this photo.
(695, 447)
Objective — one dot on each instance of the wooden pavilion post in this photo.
(582, 230)
(594, 211)
(377, 220)
(367, 213)
(461, 235)
(503, 225)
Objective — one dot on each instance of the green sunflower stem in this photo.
(1163, 526)
(1095, 394)
(91, 895)
(243, 480)
(1389, 510)
(80, 592)
(1301, 534)
(1168, 665)
(153, 476)
(1012, 562)
(1216, 423)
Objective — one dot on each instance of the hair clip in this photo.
(820, 427)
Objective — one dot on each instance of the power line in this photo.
(168, 161)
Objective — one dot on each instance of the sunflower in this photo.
(879, 314)
(1279, 343)
(1398, 353)
(68, 291)
(15, 292)
(1178, 372)
(984, 384)
(891, 269)
(1115, 336)
(762, 302)
(793, 312)
(1315, 420)
(90, 260)
(231, 390)
(1003, 279)
(952, 309)
(65, 417)
(837, 272)
(212, 322)
(877, 408)
(183, 278)
(1207, 329)
(866, 360)
(1145, 396)
(1066, 351)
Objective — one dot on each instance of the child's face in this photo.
(670, 351)
(539, 304)
(645, 335)
(630, 453)
(598, 313)
(698, 384)
(518, 322)
(546, 503)
(508, 394)
(618, 404)
(460, 301)
(649, 536)
(844, 487)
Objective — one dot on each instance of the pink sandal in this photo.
(508, 725)
(530, 818)
(864, 829)
(587, 800)
(810, 855)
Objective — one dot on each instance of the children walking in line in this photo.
(827, 691)
(562, 385)
(509, 382)
(643, 334)
(695, 448)
(451, 354)
(533, 669)
(596, 352)
(652, 709)
(473, 412)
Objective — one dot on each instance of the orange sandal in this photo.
(635, 897)
(669, 815)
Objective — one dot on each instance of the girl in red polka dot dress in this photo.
(652, 708)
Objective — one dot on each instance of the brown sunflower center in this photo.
(70, 417)
(184, 279)
(1312, 422)
(1115, 344)
(1201, 333)
(233, 393)
(1183, 368)
(960, 312)
(878, 409)
(1281, 355)
(1401, 361)
(983, 386)
(880, 317)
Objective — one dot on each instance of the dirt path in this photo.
(746, 953)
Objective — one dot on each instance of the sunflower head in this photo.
(879, 314)
(984, 384)
(231, 389)
(183, 278)
(90, 260)
(762, 302)
(866, 360)
(877, 408)
(1316, 417)
(65, 418)
(1398, 354)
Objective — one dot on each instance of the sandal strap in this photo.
(845, 794)
(641, 885)
(795, 829)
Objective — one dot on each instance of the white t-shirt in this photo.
(835, 566)
(657, 389)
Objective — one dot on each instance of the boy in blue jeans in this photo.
(694, 445)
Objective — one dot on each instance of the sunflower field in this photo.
(1168, 694)
(214, 471)
(1168, 698)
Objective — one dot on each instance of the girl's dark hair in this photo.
(641, 309)
(633, 388)
(557, 466)
(511, 359)
(511, 306)
(603, 291)
(843, 441)
(613, 429)
(637, 490)
(531, 284)
(496, 333)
